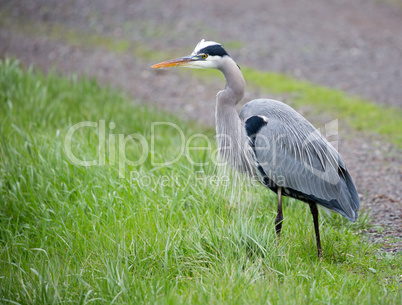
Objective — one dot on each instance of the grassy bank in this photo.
(143, 233)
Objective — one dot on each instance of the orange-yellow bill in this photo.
(177, 62)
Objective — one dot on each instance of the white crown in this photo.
(203, 44)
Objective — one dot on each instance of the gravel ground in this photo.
(356, 47)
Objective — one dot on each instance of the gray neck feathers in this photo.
(235, 83)
(231, 135)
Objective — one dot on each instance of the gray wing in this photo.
(293, 154)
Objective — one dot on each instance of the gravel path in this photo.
(354, 47)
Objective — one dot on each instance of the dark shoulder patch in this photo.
(254, 124)
(214, 50)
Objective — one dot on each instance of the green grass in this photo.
(75, 234)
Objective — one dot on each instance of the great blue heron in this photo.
(271, 141)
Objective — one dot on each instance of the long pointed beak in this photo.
(177, 62)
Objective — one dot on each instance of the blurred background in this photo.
(354, 46)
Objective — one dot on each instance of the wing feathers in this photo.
(293, 154)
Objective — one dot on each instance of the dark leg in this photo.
(314, 211)
(279, 216)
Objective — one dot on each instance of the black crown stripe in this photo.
(214, 50)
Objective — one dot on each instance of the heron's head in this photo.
(206, 55)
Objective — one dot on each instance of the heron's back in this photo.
(290, 152)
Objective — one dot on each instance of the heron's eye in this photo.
(204, 56)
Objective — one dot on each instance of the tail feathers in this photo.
(347, 203)
(350, 197)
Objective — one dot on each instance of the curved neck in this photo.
(235, 83)
(226, 116)
(231, 135)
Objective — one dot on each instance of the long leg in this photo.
(279, 215)
(314, 212)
